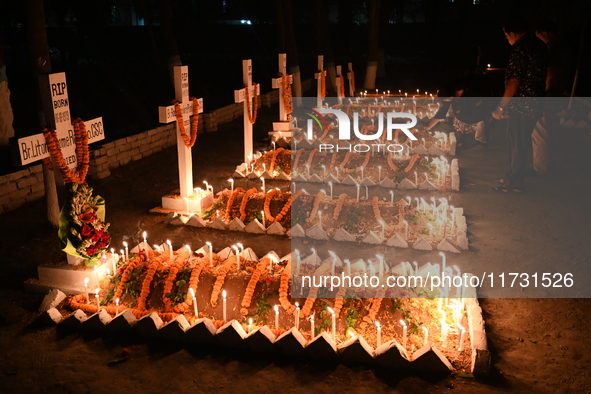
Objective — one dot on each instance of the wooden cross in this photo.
(351, 80)
(277, 83)
(340, 88)
(56, 108)
(240, 97)
(168, 114)
(318, 77)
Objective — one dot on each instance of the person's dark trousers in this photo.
(519, 131)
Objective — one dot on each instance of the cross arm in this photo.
(167, 114)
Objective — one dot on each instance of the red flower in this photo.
(95, 237)
(91, 250)
(101, 245)
(200, 255)
(86, 230)
(268, 280)
(105, 237)
(88, 218)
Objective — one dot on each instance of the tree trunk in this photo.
(174, 58)
(6, 116)
(373, 37)
(293, 62)
(324, 44)
(39, 54)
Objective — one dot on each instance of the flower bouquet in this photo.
(82, 229)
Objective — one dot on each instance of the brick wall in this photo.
(27, 184)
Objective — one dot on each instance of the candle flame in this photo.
(97, 291)
(330, 310)
(297, 305)
(86, 282)
(403, 323)
(125, 244)
(276, 309)
(116, 301)
(224, 294)
(192, 292)
(378, 325)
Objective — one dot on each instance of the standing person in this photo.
(557, 85)
(521, 105)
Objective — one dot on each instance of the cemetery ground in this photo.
(537, 345)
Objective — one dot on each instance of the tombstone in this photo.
(320, 76)
(284, 125)
(240, 96)
(56, 109)
(351, 78)
(167, 114)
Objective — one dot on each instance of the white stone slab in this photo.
(343, 235)
(349, 180)
(75, 319)
(420, 150)
(149, 325)
(123, 322)
(236, 225)
(388, 183)
(367, 182)
(97, 321)
(372, 238)
(50, 316)
(322, 347)
(447, 246)
(196, 221)
(435, 151)
(255, 227)
(397, 241)
(298, 231)
(430, 359)
(225, 253)
(276, 229)
(356, 350)
(317, 232)
(218, 224)
(203, 332)
(231, 335)
(315, 178)
(427, 185)
(51, 300)
(249, 255)
(405, 184)
(175, 329)
(283, 176)
(291, 343)
(299, 178)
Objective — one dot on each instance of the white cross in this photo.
(318, 77)
(167, 114)
(350, 78)
(56, 108)
(240, 97)
(340, 94)
(277, 83)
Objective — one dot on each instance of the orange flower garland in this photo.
(391, 162)
(342, 83)
(323, 83)
(221, 278)
(154, 265)
(339, 206)
(267, 204)
(311, 157)
(324, 269)
(193, 283)
(82, 153)
(319, 197)
(189, 141)
(274, 159)
(173, 270)
(345, 160)
(284, 287)
(333, 160)
(252, 113)
(401, 205)
(287, 205)
(261, 267)
(376, 208)
(338, 302)
(131, 265)
(297, 157)
(412, 162)
(244, 201)
(231, 202)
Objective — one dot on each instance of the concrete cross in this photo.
(167, 114)
(240, 97)
(340, 89)
(277, 83)
(319, 77)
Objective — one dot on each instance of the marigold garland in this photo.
(193, 283)
(221, 278)
(345, 160)
(284, 287)
(275, 153)
(260, 268)
(244, 201)
(131, 265)
(154, 265)
(189, 141)
(311, 157)
(339, 206)
(412, 162)
(267, 204)
(82, 152)
(297, 157)
(323, 83)
(319, 197)
(287, 205)
(324, 269)
(338, 302)
(401, 210)
(342, 83)
(252, 118)
(376, 208)
(173, 270)
(391, 163)
(333, 160)
(231, 199)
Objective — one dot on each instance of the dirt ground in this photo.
(539, 345)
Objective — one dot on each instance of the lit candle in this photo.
(444, 330)
(324, 171)
(86, 290)
(116, 306)
(334, 324)
(298, 261)
(98, 301)
(249, 324)
(416, 179)
(108, 272)
(383, 224)
(231, 184)
(391, 198)
(358, 186)
(114, 258)
(348, 267)
(169, 248)
(276, 317)
(206, 186)
(462, 337)
(195, 310)
(210, 254)
(330, 184)
(224, 305)
(320, 217)
(126, 251)
(273, 143)
(379, 173)
(297, 316)
(361, 172)
(405, 229)
(337, 170)
(145, 234)
(312, 326)
(237, 257)
(308, 169)
(263, 180)
(404, 333)
(264, 221)
(426, 337)
(381, 267)
(379, 334)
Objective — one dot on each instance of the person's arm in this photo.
(510, 90)
(440, 115)
(551, 77)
